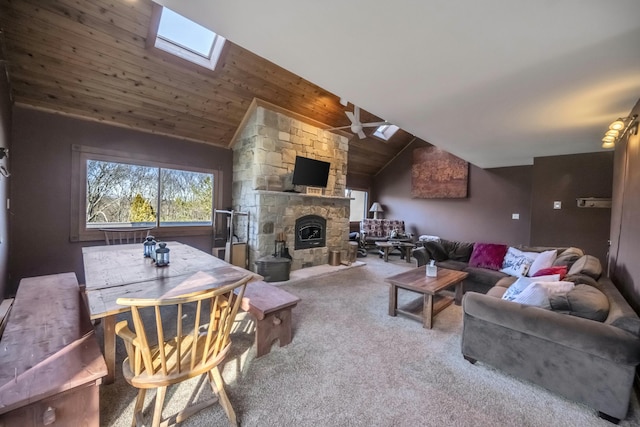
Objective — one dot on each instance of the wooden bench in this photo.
(271, 308)
(50, 361)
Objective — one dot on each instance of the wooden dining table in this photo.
(118, 271)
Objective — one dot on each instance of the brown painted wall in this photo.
(41, 181)
(625, 218)
(5, 132)
(565, 178)
(494, 194)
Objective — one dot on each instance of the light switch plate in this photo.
(515, 216)
(557, 205)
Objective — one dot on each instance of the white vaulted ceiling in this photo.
(496, 82)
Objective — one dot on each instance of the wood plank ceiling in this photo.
(89, 59)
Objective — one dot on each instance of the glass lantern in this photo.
(162, 255)
(149, 247)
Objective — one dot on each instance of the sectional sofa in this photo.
(484, 272)
(585, 347)
(582, 343)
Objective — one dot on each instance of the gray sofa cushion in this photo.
(587, 264)
(582, 301)
(484, 276)
(582, 279)
(458, 251)
(436, 250)
(568, 256)
(452, 265)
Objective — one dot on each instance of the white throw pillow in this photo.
(522, 283)
(543, 260)
(538, 293)
(517, 262)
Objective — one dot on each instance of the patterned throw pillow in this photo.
(517, 263)
(488, 255)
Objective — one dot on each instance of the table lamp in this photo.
(376, 208)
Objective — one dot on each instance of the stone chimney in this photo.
(264, 151)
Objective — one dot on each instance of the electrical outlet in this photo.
(515, 216)
(557, 205)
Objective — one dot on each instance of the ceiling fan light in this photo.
(612, 132)
(608, 144)
(617, 125)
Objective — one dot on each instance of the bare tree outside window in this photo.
(186, 197)
(120, 194)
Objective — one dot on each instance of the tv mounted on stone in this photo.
(310, 172)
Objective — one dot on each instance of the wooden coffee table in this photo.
(433, 302)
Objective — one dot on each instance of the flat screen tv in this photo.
(310, 172)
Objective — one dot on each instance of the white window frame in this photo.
(78, 215)
(385, 132)
(365, 204)
(176, 49)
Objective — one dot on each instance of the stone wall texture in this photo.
(263, 162)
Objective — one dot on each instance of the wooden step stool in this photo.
(271, 308)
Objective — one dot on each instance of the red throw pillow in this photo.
(488, 255)
(561, 270)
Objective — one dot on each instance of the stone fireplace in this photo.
(264, 152)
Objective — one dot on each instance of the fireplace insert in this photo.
(310, 232)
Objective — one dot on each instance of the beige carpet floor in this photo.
(351, 364)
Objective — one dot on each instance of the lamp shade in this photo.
(376, 208)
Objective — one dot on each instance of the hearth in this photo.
(311, 232)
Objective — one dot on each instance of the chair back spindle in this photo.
(124, 236)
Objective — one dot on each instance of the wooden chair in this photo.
(122, 236)
(187, 353)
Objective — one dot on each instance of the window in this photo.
(385, 131)
(358, 209)
(186, 39)
(116, 190)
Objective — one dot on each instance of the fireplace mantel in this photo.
(289, 194)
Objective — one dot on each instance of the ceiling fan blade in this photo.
(340, 127)
(351, 117)
(375, 124)
(361, 134)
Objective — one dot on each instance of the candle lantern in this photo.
(162, 255)
(149, 247)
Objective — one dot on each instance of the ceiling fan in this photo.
(356, 125)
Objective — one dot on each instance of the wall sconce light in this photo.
(618, 129)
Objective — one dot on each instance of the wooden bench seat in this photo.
(271, 308)
(50, 363)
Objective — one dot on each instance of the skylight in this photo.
(188, 40)
(385, 131)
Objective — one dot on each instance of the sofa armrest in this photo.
(589, 336)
